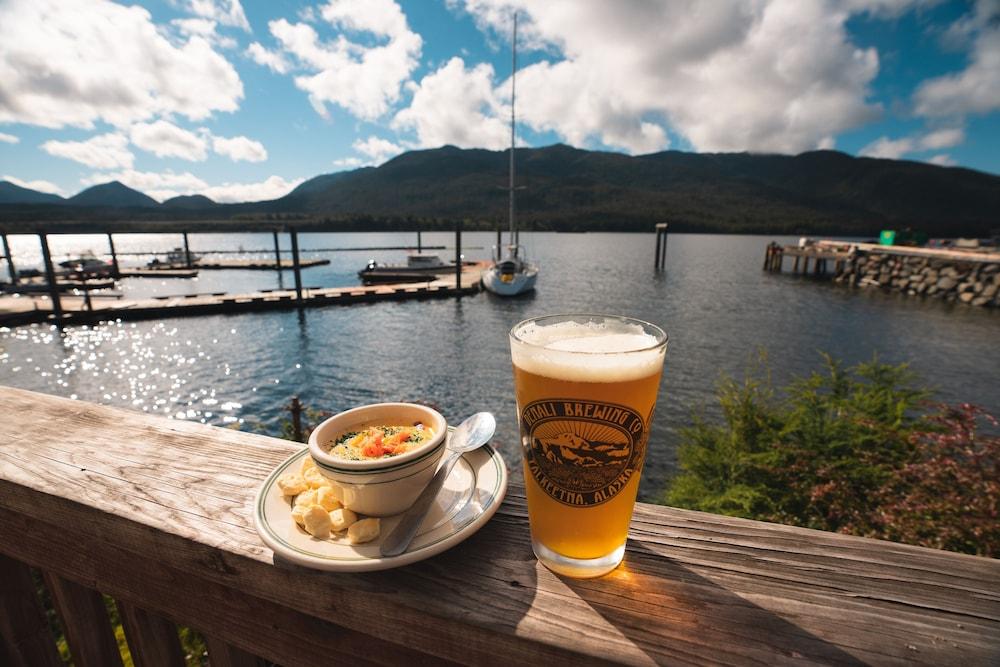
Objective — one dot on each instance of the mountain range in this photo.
(566, 188)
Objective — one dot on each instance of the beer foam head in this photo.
(592, 350)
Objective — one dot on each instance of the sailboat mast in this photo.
(513, 77)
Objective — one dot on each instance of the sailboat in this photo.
(511, 273)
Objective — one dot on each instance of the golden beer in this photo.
(586, 388)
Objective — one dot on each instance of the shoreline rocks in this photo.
(973, 283)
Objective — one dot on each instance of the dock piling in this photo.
(115, 270)
(420, 243)
(10, 260)
(295, 407)
(277, 253)
(499, 243)
(661, 246)
(50, 277)
(295, 265)
(187, 250)
(86, 291)
(458, 255)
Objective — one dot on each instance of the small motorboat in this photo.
(87, 264)
(175, 257)
(419, 267)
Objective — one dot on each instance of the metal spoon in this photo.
(471, 434)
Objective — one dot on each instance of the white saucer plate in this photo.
(469, 498)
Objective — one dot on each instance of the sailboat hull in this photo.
(517, 283)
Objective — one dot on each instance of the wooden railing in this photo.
(156, 514)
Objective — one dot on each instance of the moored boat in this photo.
(511, 273)
(419, 267)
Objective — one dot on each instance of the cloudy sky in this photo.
(242, 101)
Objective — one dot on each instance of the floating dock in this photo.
(27, 309)
(158, 273)
(245, 264)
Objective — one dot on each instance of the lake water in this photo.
(716, 304)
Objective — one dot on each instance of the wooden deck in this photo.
(26, 309)
(157, 514)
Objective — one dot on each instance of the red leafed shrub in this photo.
(949, 496)
(856, 450)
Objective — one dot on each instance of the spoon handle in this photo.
(396, 542)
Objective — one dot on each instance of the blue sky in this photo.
(242, 101)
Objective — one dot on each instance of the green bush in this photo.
(856, 450)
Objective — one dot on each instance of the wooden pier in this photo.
(838, 252)
(817, 255)
(157, 514)
(969, 276)
(27, 309)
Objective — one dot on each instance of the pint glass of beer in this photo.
(586, 388)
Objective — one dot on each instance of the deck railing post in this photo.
(277, 253)
(115, 270)
(24, 632)
(187, 250)
(10, 260)
(294, 235)
(458, 256)
(50, 276)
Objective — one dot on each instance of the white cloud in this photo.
(39, 185)
(164, 185)
(226, 12)
(205, 28)
(943, 160)
(104, 151)
(944, 138)
(239, 148)
(349, 162)
(887, 8)
(363, 78)
(270, 59)
(81, 61)
(892, 149)
(976, 89)
(270, 188)
(773, 75)
(8, 138)
(377, 149)
(458, 106)
(164, 139)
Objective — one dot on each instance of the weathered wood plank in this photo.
(694, 589)
(85, 622)
(152, 639)
(280, 634)
(221, 654)
(25, 639)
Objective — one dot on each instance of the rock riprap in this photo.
(974, 283)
